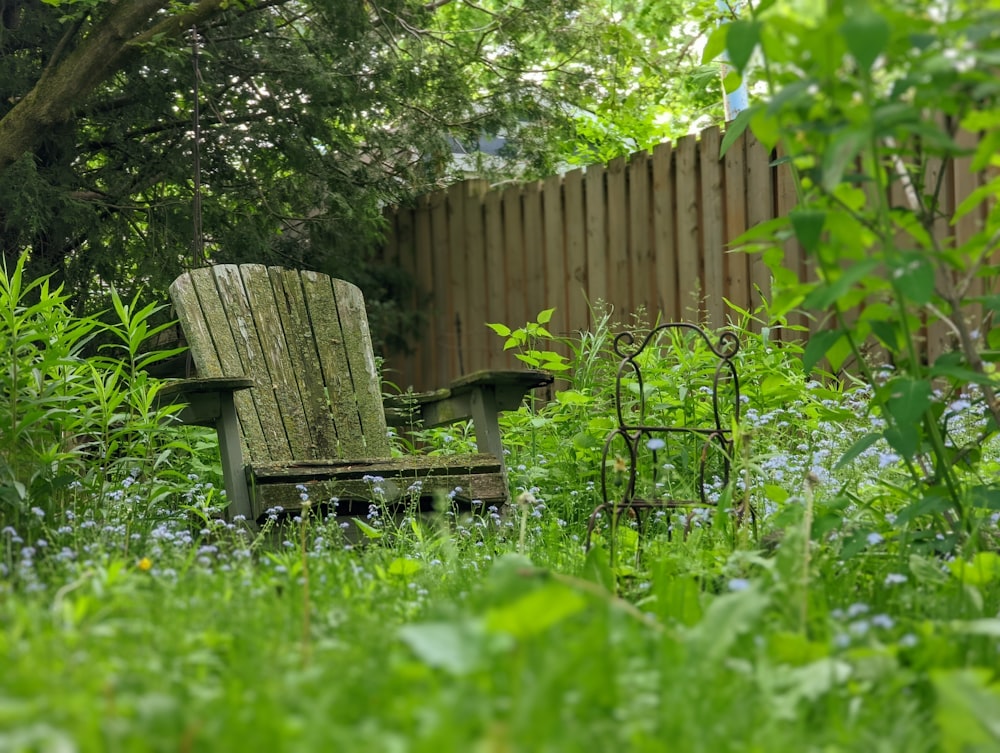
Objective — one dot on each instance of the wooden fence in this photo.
(647, 232)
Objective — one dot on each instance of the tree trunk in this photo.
(110, 43)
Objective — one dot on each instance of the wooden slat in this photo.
(364, 373)
(597, 242)
(556, 289)
(689, 284)
(478, 338)
(271, 330)
(737, 282)
(458, 289)
(404, 371)
(495, 299)
(332, 349)
(303, 356)
(534, 251)
(234, 314)
(785, 201)
(760, 208)
(443, 309)
(203, 324)
(642, 262)
(576, 250)
(618, 260)
(426, 355)
(713, 225)
(513, 253)
(664, 233)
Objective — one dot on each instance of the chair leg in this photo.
(228, 428)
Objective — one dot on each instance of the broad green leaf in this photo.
(727, 618)
(916, 277)
(824, 295)
(808, 227)
(866, 34)
(501, 329)
(819, 343)
(845, 147)
(766, 128)
(984, 568)
(907, 400)
(544, 317)
(367, 530)
(456, 647)
(904, 441)
(716, 43)
(404, 566)
(743, 36)
(535, 612)
(967, 710)
(735, 129)
(573, 397)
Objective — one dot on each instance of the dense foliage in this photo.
(871, 105)
(137, 139)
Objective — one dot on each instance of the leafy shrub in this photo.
(77, 429)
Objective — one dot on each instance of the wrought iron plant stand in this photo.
(636, 443)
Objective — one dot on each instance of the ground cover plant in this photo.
(861, 614)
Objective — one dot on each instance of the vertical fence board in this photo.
(655, 230)
(513, 251)
(618, 250)
(642, 262)
(494, 301)
(597, 242)
(664, 239)
(760, 208)
(424, 262)
(443, 310)
(556, 289)
(785, 201)
(534, 250)
(474, 250)
(458, 261)
(737, 268)
(576, 250)
(713, 225)
(689, 284)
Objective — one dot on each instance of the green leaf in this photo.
(908, 400)
(544, 317)
(367, 530)
(844, 148)
(735, 129)
(819, 343)
(867, 35)
(536, 611)
(404, 566)
(727, 618)
(456, 647)
(967, 710)
(916, 276)
(741, 40)
(501, 329)
(808, 227)
(716, 43)
(856, 449)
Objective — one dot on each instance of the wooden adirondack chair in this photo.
(287, 376)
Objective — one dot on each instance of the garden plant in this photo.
(862, 614)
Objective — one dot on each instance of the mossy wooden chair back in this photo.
(288, 376)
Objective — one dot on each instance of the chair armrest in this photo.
(480, 396)
(203, 398)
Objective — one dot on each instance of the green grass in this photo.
(853, 619)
